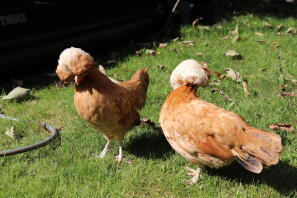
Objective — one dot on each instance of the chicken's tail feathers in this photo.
(141, 75)
(247, 161)
(260, 147)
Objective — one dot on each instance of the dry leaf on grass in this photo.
(226, 37)
(259, 33)
(233, 54)
(281, 126)
(163, 45)
(245, 88)
(17, 93)
(151, 52)
(10, 132)
(268, 25)
(234, 75)
(175, 39)
(236, 38)
(287, 94)
(291, 31)
(279, 27)
(236, 30)
(222, 93)
(261, 41)
(199, 54)
(263, 69)
(203, 27)
(219, 26)
(161, 66)
(191, 43)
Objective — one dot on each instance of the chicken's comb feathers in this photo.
(73, 61)
(189, 72)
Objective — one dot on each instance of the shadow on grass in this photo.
(151, 145)
(282, 177)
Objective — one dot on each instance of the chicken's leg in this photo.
(196, 175)
(104, 151)
(119, 157)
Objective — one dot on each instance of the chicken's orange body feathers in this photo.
(209, 135)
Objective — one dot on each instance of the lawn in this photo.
(151, 168)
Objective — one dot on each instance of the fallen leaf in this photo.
(222, 93)
(175, 39)
(17, 93)
(291, 31)
(261, 41)
(281, 126)
(196, 21)
(203, 27)
(274, 43)
(234, 75)
(151, 52)
(245, 88)
(264, 69)
(199, 54)
(205, 44)
(268, 25)
(139, 52)
(279, 27)
(235, 31)
(287, 94)
(233, 53)
(259, 33)
(163, 45)
(160, 66)
(236, 38)
(215, 83)
(226, 37)
(188, 42)
(1, 111)
(10, 132)
(217, 74)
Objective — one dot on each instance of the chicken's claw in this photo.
(196, 175)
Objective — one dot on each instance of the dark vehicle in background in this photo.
(33, 33)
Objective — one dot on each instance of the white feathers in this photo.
(189, 72)
(70, 56)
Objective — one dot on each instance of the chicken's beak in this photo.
(77, 79)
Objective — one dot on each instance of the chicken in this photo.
(208, 135)
(109, 107)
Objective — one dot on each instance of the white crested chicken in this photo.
(109, 107)
(207, 135)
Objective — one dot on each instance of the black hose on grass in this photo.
(54, 134)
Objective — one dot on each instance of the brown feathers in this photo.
(208, 135)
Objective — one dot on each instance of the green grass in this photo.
(151, 168)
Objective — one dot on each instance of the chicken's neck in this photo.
(183, 94)
(95, 79)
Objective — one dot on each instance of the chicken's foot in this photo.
(119, 157)
(104, 151)
(195, 173)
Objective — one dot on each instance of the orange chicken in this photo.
(109, 106)
(208, 135)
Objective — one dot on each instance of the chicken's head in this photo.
(74, 64)
(189, 72)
